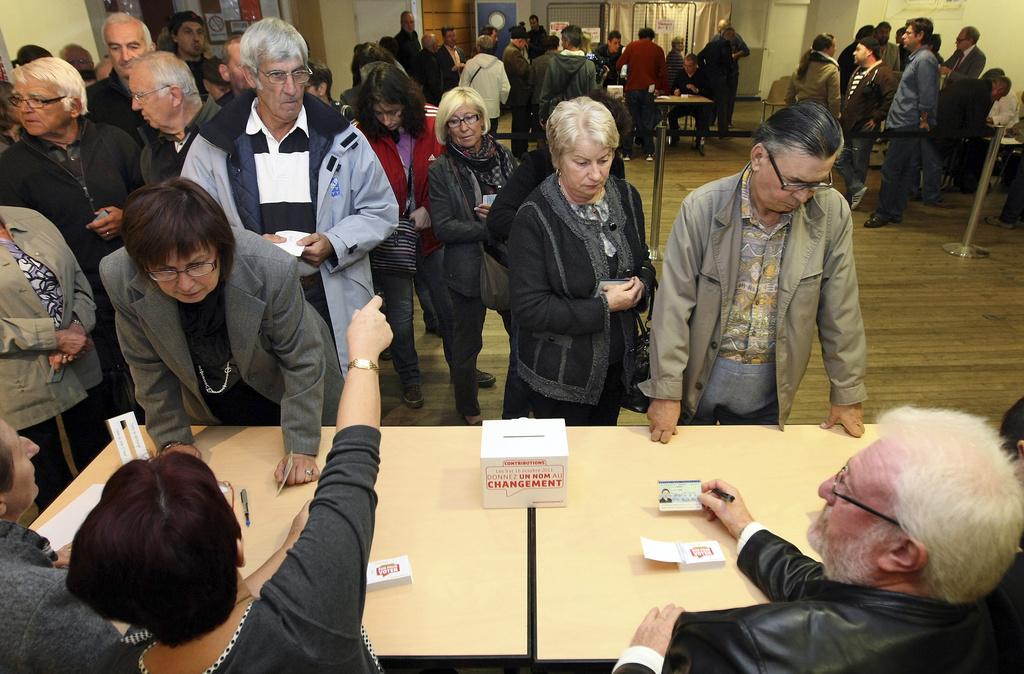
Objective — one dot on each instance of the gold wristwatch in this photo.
(363, 364)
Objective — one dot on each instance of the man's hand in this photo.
(316, 248)
(850, 416)
(870, 125)
(676, 92)
(72, 342)
(662, 417)
(924, 125)
(945, 70)
(303, 470)
(692, 87)
(734, 515)
(274, 238)
(109, 225)
(655, 631)
(420, 219)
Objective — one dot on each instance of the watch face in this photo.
(496, 19)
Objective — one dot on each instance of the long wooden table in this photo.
(481, 593)
(593, 584)
(468, 602)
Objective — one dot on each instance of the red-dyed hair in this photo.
(160, 550)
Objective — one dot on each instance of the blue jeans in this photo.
(931, 172)
(430, 272)
(645, 116)
(899, 174)
(738, 393)
(397, 292)
(853, 164)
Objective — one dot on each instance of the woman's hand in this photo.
(303, 470)
(368, 332)
(624, 295)
(420, 219)
(73, 341)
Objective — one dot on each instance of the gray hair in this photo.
(572, 35)
(121, 18)
(972, 33)
(59, 73)
(271, 40)
(807, 128)
(168, 70)
(958, 494)
(484, 44)
(578, 119)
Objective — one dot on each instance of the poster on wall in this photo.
(592, 34)
(216, 28)
(556, 27)
(665, 26)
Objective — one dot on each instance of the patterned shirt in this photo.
(282, 175)
(43, 281)
(749, 334)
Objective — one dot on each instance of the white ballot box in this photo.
(524, 463)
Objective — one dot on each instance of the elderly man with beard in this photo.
(916, 528)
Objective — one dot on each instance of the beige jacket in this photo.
(820, 83)
(817, 289)
(27, 335)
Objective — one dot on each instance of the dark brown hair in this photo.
(175, 217)
(821, 43)
(387, 84)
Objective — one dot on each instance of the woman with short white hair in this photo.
(77, 174)
(581, 270)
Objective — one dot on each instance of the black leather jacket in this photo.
(818, 625)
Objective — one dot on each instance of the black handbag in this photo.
(634, 399)
(397, 253)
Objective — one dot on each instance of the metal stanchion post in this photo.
(659, 185)
(965, 248)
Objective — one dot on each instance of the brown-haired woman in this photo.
(215, 329)
(817, 76)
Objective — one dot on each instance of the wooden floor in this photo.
(942, 331)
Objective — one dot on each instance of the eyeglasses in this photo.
(34, 103)
(142, 94)
(838, 480)
(468, 120)
(195, 270)
(796, 187)
(299, 76)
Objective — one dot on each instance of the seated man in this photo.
(916, 528)
(690, 81)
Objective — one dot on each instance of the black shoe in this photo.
(945, 205)
(484, 379)
(875, 221)
(412, 396)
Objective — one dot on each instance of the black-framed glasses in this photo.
(195, 270)
(142, 94)
(468, 120)
(34, 103)
(796, 187)
(839, 479)
(299, 75)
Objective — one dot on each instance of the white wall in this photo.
(377, 18)
(51, 24)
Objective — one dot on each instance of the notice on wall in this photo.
(594, 35)
(665, 26)
(216, 28)
(556, 27)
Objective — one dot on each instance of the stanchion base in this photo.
(960, 250)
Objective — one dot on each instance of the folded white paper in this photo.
(61, 529)
(689, 553)
(388, 573)
(291, 246)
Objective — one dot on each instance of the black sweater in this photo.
(30, 179)
(556, 261)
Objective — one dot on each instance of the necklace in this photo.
(206, 385)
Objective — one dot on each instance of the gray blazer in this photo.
(970, 68)
(280, 343)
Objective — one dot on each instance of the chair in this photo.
(776, 95)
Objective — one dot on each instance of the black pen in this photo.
(725, 496)
(245, 507)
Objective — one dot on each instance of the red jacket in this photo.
(425, 150)
(646, 62)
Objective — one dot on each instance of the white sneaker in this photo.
(857, 197)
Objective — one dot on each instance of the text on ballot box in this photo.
(524, 463)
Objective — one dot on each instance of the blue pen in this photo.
(245, 507)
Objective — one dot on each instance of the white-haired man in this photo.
(916, 529)
(78, 174)
(110, 100)
(278, 159)
(165, 92)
